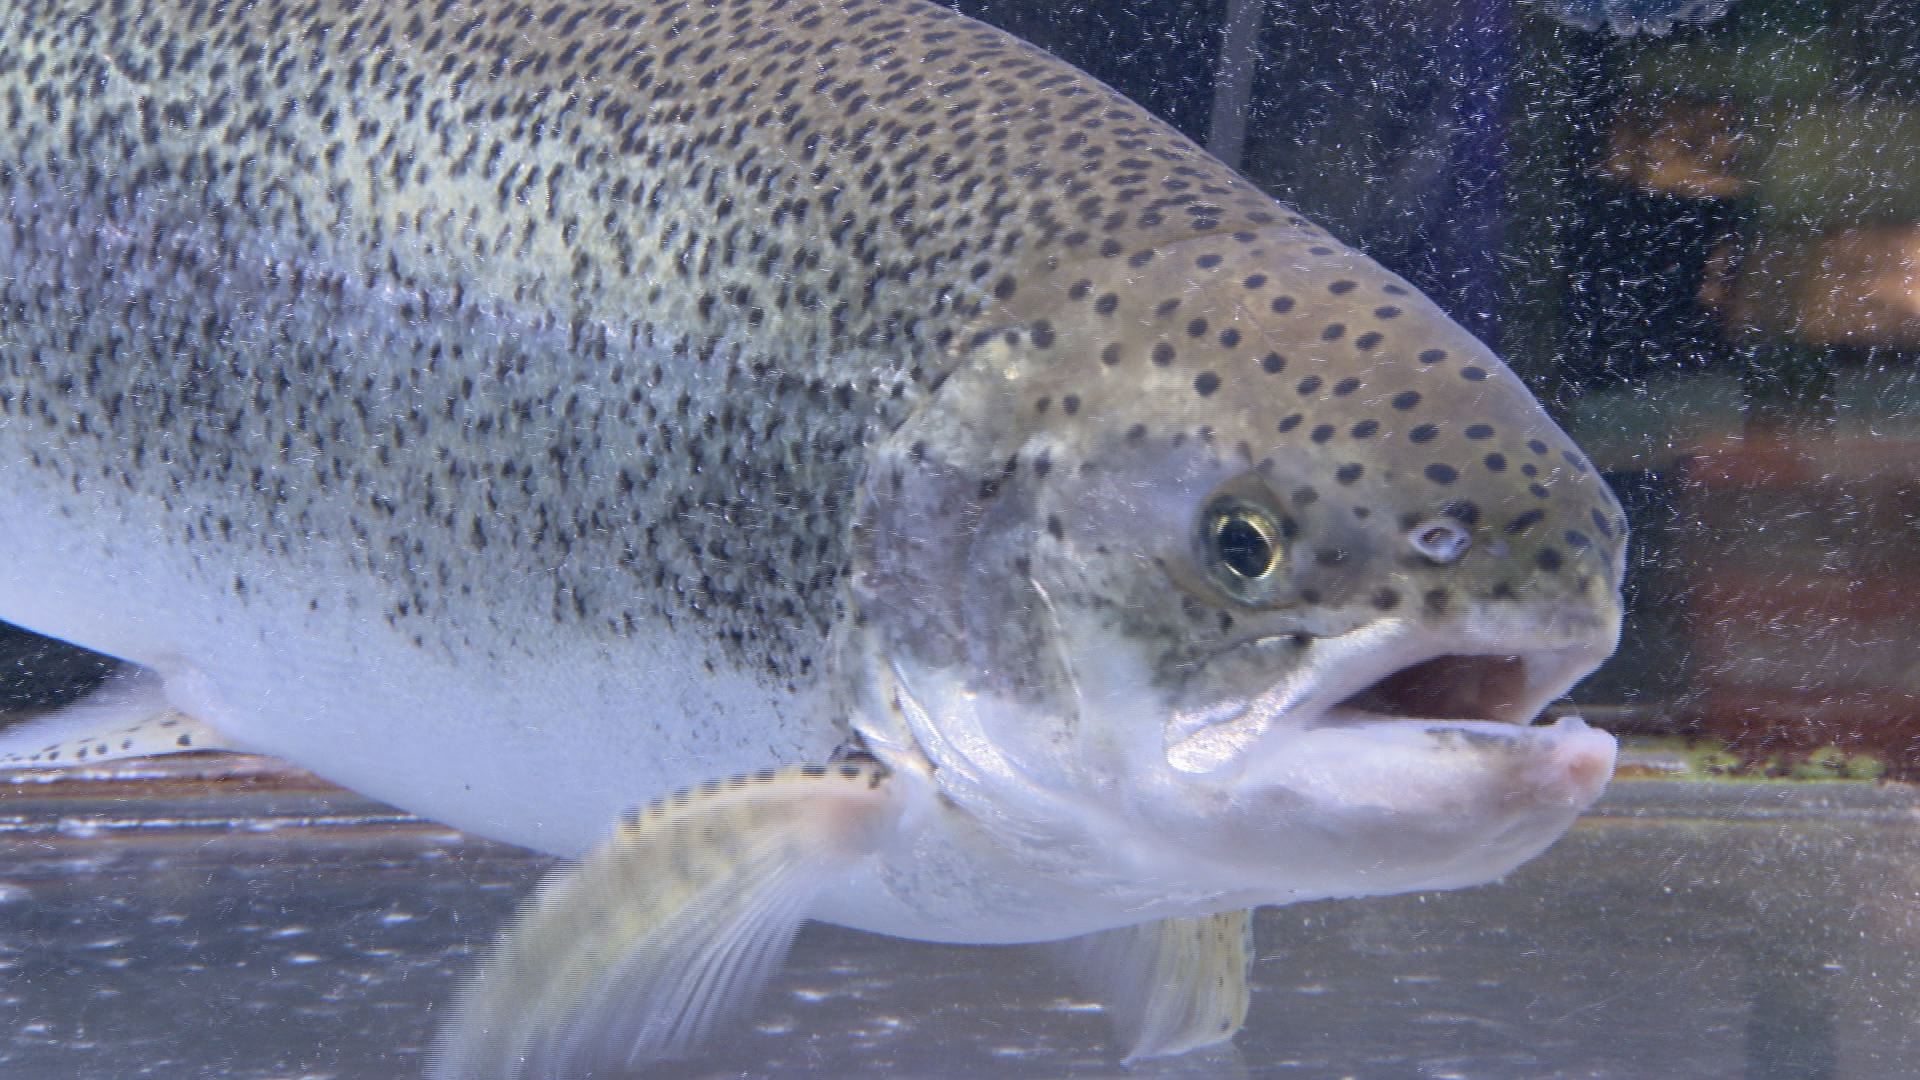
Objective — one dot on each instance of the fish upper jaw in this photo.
(1495, 679)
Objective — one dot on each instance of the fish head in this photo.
(1233, 561)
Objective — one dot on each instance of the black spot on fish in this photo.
(1525, 521)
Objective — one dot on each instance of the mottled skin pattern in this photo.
(459, 228)
(521, 411)
(755, 324)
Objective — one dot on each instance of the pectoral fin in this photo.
(1170, 986)
(673, 923)
(127, 717)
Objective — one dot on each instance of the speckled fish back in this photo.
(443, 291)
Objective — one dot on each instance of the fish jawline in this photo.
(1516, 677)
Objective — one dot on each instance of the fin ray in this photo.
(1171, 986)
(668, 927)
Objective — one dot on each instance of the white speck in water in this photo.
(1069, 1005)
(394, 918)
(170, 918)
(106, 943)
(303, 958)
(14, 893)
(288, 931)
(805, 994)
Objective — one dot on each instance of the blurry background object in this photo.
(1632, 16)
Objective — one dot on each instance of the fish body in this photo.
(522, 412)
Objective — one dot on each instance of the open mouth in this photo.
(1375, 676)
(1449, 687)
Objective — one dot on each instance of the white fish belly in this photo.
(540, 739)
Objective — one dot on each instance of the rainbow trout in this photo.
(996, 520)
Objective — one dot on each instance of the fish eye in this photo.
(1243, 541)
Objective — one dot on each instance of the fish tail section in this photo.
(1170, 986)
(126, 716)
(672, 924)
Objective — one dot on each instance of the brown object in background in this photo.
(1688, 148)
(1849, 286)
(1806, 611)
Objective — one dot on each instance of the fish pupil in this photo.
(1243, 546)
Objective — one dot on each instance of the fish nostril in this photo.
(1440, 541)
